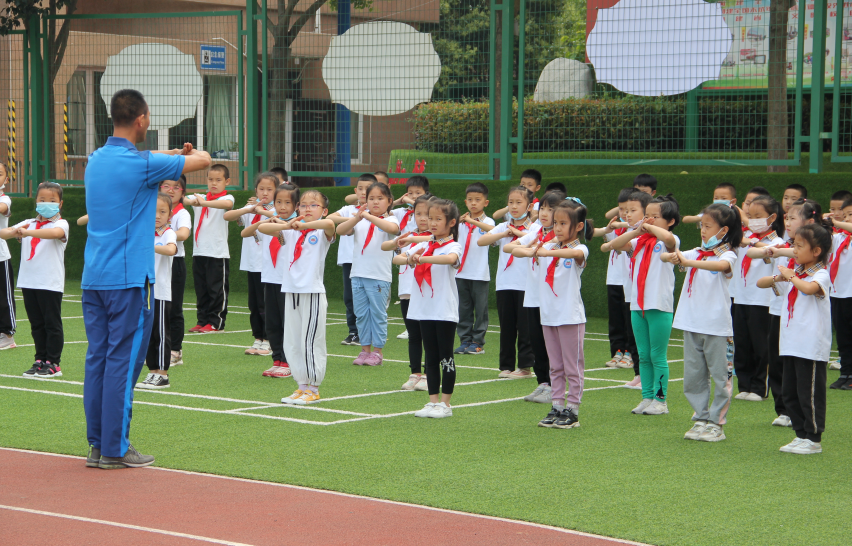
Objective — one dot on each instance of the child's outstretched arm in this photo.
(845, 226)
(622, 241)
(491, 238)
(50, 233)
(666, 236)
(8, 233)
(166, 250)
(565, 253)
(611, 213)
(691, 219)
(448, 259)
(270, 226)
(520, 251)
(224, 204)
(677, 258)
(499, 214)
(234, 214)
(400, 259)
(323, 224)
(83, 220)
(351, 199)
(481, 225)
(384, 225)
(348, 225)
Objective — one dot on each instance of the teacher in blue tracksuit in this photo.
(118, 277)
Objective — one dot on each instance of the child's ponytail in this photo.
(811, 210)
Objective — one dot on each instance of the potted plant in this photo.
(234, 151)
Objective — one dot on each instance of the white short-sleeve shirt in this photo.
(532, 289)
(181, 219)
(615, 264)
(405, 217)
(807, 333)
(271, 274)
(512, 276)
(4, 223)
(211, 240)
(562, 304)
(626, 274)
(746, 291)
(406, 274)
(250, 256)
(441, 300)
(659, 284)
(163, 266)
(843, 281)
(369, 261)
(305, 275)
(46, 270)
(706, 309)
(345, 245)
(475, 266)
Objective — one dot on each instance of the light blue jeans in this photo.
(370, 299)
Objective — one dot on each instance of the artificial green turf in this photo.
(619, 474)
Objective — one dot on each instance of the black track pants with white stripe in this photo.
(160, 345)
(804, 395)
(7, 298)
(211, 277)
(304, 337)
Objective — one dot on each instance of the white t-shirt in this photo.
(441, 301)
(4, 223)
(843, 281)
(746, 291)
(807, 334)
(268, 273)
(707, 310)
(626, 275)
(163, 266)
(406, 274)
(212, 239)
(562, 304)
(305, 275)
(659, 284)
(250, 256)
(345, 246)
(400, 215)
(476, 262)
(46, 271)
(531, 290)
(181, 219)
(615, 265)
(777, 304)
(512, 276)
(370, 261)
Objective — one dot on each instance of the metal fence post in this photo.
(506, 89)
(691, 133)
(818, 86)
(38, 99)
(252, 116)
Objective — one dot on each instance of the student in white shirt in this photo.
(563, 315)
(531, 180)
(542, 393)
(473, 279)
(8, 323)
(159, 346)
(652, 308)
(371, 271)
(840, 271)
(181, 223)
(305, 240)
(416, 232)
(272, 273)
(42, 277)
(704, 315)
(511, 282)
(805, 335)
(210, 253)
(346, 251)
(259, 206)
(435, 303)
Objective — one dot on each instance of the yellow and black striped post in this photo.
(11, 129)
(65, 132)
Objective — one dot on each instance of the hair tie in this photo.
(576, 200)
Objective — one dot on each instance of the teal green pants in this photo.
(652, 332)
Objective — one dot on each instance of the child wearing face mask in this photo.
(7, 274)
(42, 277)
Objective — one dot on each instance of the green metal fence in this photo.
(14, 102)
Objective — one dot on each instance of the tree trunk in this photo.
(496, 102)
(777, 112)
(279, 91)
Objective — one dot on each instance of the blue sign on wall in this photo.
(213, 57)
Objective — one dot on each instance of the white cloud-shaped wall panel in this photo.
(658, 47)
(167, 77)
(381, 68)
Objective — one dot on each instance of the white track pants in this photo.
(304, 337)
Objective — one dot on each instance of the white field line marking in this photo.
(308, 407)
(123, 525)
(63, 318)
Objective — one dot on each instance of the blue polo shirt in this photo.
(121, 199)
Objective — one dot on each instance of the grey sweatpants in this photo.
(705, 360)
(473, 300)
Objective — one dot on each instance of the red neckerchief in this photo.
(412, 245)
(746, 265)
(645, 243)
(34, 241)
(370, 234)
(256, 218)
(551, 268)
(794, 292)
(179, 207)
(522, 227)
(297, 251)
(835, 263)
(470, 228)
(423, 272)
(701, 255)
(274, 247)
(542, 238)
(206, 211)
(535, 200)
(405, 218)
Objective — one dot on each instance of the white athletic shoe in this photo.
(422, 385)
(635, 384)
(146, 382)
(409, 385)
(440, 410)
(176, 358)
(425, 411)
(834, 365)
(754, 397)
(254, 347)
(789, 447)
(806, 447)
(265, 349)
(403, 335)
(695, 431)
(713, 433)
(642, 405)
(656, 408)
(782, 421)
(742, 396)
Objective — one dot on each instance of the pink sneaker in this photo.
(281, 371)
(636, 384)
(361, 359)
(374, 359)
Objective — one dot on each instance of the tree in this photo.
(777, 115)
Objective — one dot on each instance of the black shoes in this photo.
(843, 380)
(131, 459)
(567, 419)
(551, 418)
(94, 457)
(351, 339)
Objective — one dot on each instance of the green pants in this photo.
(652, 332)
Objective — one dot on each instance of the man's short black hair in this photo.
(477, 187)
(127, 105)
(645, 181)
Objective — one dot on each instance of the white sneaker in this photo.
(176, 358)
(403, 335)
(425, 411)
(409, 385)
(440, 410)
(754, 397)
(742, 396)
(635, 384)
(6, 342)
(806, 447)
(265, 349)
(695, 431)
(835, 365)
(642, 405)
(782, 421)
(713, 433)
(613, 362)
(145, 382)
(789, 447)
(656, 408)
(254, 347)
(422, 385)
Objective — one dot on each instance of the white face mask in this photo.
(758, 225)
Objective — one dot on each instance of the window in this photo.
(356, 139)
(220, 114)
(88, 121)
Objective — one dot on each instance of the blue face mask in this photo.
(521, 217)
(292, 216)
(711, 242)
(722, 202)
(47, 210)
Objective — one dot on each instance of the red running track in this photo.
(54, 499)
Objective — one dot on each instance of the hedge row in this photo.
(631, 125)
